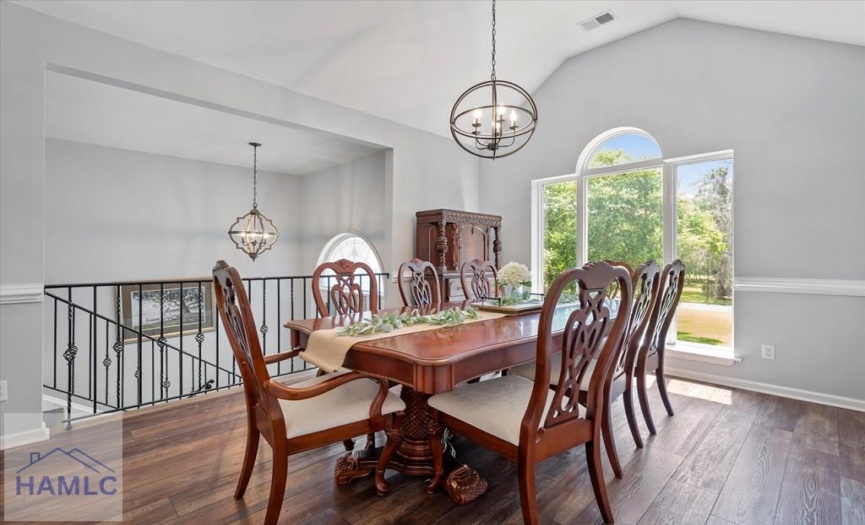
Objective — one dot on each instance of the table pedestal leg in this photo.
(414, 455)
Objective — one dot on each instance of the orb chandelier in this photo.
(495, 118)
(253, 233)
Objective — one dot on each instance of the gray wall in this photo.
(348, 197)
(120, 215)
(423, 171)
(794, 112)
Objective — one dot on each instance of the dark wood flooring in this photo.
(727, 456)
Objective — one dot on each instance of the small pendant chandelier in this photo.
(253, 233)
(508, 108)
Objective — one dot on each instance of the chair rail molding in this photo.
(21, 293)
(847, 287)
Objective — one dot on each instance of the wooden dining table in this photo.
(427, 363)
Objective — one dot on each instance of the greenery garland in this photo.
(386, 323)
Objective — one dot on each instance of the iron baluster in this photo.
(94, 374)
(182, 331)
(106, 362)
(118, 349)
(278, 317)
(69, 355)
(137, 373)
(199, 338)
(161, 341)
(54, 382)
(264, 328)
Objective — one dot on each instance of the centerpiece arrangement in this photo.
(514, 279)
(386, 323)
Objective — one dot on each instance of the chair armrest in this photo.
(281, 356)
(332, 381)
(295, 394)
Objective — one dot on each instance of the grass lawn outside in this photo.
(695, 293)
(707, 326)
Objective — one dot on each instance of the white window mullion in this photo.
(669, 214)
(582, 220)
(537, 229)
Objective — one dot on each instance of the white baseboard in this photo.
(24, 438)
(57, 402)
(766, 388)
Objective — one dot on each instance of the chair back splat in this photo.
(233, 305)
(346, 293)
(580, 341)
(645, 281)
(475, 280)
(423, 287)
(650, 356)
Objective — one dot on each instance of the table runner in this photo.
(326, 349)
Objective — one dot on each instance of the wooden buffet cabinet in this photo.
(448, 238)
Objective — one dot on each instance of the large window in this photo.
(627, 203)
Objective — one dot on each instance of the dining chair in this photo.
(345, 292)
(423, 287)
(306, 415)
(345, 296)
(475, 280)
(525, 420)
(644, 283)
(650, 357)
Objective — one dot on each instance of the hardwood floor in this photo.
(727, 457)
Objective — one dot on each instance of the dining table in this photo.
(427, 363)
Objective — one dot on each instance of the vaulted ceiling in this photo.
(408, 60)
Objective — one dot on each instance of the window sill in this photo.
(703, 354)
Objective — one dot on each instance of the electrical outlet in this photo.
(4, 391)
(769, 352)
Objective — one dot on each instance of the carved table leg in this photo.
(351, 466)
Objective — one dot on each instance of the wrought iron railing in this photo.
(126, 345)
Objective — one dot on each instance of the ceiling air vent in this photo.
(597, 21)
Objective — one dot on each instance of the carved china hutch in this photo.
(448, 238)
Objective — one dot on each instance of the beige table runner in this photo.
(326, 349)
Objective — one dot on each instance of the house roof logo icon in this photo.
(76, 454)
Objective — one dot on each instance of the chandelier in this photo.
(253, 233)
(507, 109)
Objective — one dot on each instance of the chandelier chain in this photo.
(255, 177)
(493, 75)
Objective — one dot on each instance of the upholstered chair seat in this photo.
(348, 403)
(504, 401)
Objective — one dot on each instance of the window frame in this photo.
(668, 168)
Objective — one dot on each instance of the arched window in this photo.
(621, 146)
(351, 246)
(626, 202)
